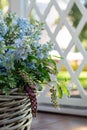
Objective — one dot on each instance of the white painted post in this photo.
(18, 6)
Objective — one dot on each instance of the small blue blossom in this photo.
(25, 28)
(24, 61)
(24, 37)
(0, 13)
(31, 66)
(1, 39)
(3, 27)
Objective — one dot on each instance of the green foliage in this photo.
(82, 78)
(54, 96)
(75, 17)
(31, 17)
(60, 93)
(24, 61)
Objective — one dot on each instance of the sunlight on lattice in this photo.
(74, 58)
(63, 4)
(63, 38)
(42, 5)
(52, 19)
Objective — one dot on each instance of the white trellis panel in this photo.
(72, 105)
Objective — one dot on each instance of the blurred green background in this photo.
(4, 6)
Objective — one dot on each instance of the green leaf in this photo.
(52, 64)
(58, 57)
(6, 90)
(39, 87)
(60, 93)
(65, 90)
(10, 47)
(32, 57)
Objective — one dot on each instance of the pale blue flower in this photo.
(1, 39)
(24, 37)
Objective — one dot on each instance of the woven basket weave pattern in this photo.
(15, 112)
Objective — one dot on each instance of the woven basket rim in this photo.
(13, 93)
(15, 111)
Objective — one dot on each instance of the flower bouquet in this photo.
(26, 65)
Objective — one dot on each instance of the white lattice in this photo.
(63, 12)
(61, 9)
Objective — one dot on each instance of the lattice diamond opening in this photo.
(63, 4)
(42, 5)
(44, 37)
(74, 92)
(64, 74)
(33, 16)
(52, 19)
(83, 36)
(74, 16)
(63, 38)
(74, 57)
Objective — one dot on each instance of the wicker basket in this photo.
(15, 112)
